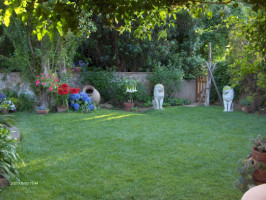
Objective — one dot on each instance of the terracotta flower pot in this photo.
(258, 156)
(245, 109)
(62, 108)
(5, 111)
(259, 175)
(128, 106)
(43, 112)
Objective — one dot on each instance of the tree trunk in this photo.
(44, 96)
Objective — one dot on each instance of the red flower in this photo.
(74, 90)
(64, 85)
(60, 91)
(65, 90)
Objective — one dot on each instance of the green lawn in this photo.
(178, 153)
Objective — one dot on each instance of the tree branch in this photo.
(206, 2)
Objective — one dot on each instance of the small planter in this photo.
(259, 176)
(61, 109)
(77, 69)
(43, 112)
(128, 106)
(5, 111)
(258, 156)
(245, 109)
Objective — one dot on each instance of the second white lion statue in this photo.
(158, 96)
(228, 96)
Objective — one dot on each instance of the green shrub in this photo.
(170, 101)
(8, 155)
(222, 78)
(15, 101)
(22, 101)
(103, 81)
(176, 101)
(170, 76)
(10, 93)
(245, 102)
(26, 102)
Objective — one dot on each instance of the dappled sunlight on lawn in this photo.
(118, 117)
(108, 117)
(95, 117)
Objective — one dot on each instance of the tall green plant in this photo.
(8, 155)
(171, 77)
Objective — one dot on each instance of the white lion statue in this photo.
(158, 96)
(228, 96)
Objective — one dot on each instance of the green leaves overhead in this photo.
(65, 15)
(7, 16)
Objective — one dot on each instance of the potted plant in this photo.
(245, 105)
(131, 87)
(62, 97)
(46, 87)
(6, 105)
(259, 157)
(253, 169)
(42, 110)
(80, 101)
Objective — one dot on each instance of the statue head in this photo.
(228, 93)
(158, 90)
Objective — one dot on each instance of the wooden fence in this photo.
(200, 84)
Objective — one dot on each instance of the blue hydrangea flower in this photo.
(76, 96)
(76, 106)
(89, 100)
(91, 107)
(71, 97)
(84, 98)
(83, 94)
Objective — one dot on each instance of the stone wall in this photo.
(13, 81)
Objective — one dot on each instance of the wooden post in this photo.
(209, 81)
(203, 91)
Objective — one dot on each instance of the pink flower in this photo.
(51, 89)
(42, 78)
(53, 77)
(37, 82)
(37, 76)
(41, 73)
(43, 83)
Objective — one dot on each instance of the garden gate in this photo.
(200, 84)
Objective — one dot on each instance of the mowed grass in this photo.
(179, 153)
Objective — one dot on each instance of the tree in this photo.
(247, 55)
(63, 15)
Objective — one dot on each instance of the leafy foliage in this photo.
(8, 155)
(245, 170)
(169, 76)
(246, 57)
(22, 101)
(259, 142)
